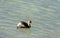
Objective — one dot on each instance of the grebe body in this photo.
(23, 24)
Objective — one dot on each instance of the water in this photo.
(45, 16)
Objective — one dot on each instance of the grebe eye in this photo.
(30, 21)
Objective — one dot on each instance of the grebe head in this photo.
(29, 21)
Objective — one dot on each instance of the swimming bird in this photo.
(23, 24)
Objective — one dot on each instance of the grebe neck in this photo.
(28, 23)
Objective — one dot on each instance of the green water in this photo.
(45, 16)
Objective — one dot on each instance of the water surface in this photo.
(45, 16)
